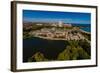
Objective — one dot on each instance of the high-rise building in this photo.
(60, 24)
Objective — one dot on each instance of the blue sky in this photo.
(53, 16)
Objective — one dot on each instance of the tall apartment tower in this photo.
(60, 23)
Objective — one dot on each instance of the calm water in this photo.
(50, 48)
(87, 29)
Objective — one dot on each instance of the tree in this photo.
(65, 55)
(37, 57)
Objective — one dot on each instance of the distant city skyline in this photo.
(55, 16)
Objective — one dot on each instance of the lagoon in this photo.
(50, 48)
(87, 29)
